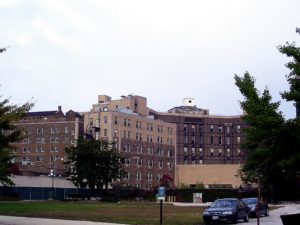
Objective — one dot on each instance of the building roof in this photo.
(42, 113)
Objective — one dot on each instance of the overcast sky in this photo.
(66, 52)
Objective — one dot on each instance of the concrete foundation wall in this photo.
(41, 181)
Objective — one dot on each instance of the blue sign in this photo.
(161, 192)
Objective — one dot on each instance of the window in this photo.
(39, 130)
(200, 152)
(116, 133)
(238, 128)
(228, 129)
(149, 176)
(105, 132)
(26, 150)
(211, 140)
(66, 130)
(220, 129)
(220, 152)
(211, 128)
(228, 140)
(211, 152)
(105, 119)
(238, 140)
(185, 129)
(138, 175)
(128, 122)
(90, 122)
(139, 161)
(150, 163)
(126, 176)
(228, 152)
(127, 161)
(160, 164)
(97, 123)
(220, 140)
(185, 151)
(116, 120)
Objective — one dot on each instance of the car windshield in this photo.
(250, 201)
(224, 203)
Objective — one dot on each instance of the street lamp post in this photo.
(52, 174)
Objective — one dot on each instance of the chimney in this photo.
(59, 108)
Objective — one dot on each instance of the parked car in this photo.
(226, 209)
(253, 205)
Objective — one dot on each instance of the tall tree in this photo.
(290, 134)
(293, 78)
(265, 123)
(93, 163)
(9, 134)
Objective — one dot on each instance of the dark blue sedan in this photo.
(226, 209)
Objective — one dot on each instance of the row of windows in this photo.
(127, 123)
(147, 150)
(53, 130)
(212, 152)
(42, 140)
(39, 149)
(220, 140)
(139, 137)
(41, 158)
(149, 163)
(138, 176)
(228, 128)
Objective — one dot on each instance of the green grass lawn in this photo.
(124, 212)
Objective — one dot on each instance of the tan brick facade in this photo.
(148, 145)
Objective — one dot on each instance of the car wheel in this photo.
(246, 218)
(267, 212)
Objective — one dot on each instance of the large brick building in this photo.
(208, 147)
(203, 138)
(148, 145)
(46, 134)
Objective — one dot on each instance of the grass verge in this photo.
(124, 212)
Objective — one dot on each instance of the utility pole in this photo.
(298, 102)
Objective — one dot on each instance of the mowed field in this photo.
(124, 212)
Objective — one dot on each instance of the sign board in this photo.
(161, 193)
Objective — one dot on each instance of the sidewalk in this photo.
(12, 220)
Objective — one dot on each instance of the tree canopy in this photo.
(264, 122)
(93, 163)
(9, 134)
(272, 144)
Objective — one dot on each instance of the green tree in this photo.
(93, 163)
(260, 143)
(272, 143)
(293, 51)
(9, 134)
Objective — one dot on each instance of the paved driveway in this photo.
(274, 218)
(11, 220)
